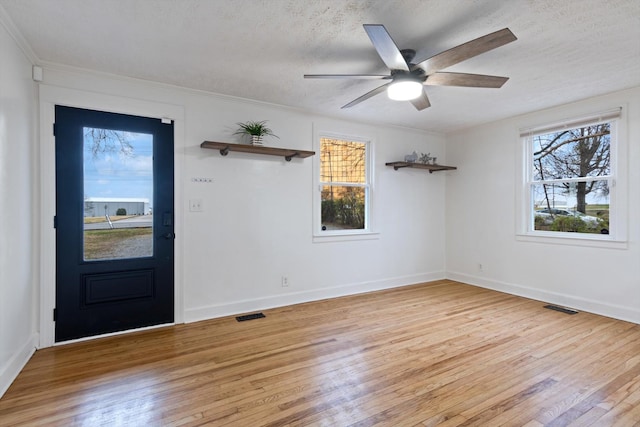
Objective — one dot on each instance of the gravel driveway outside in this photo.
(132, 247)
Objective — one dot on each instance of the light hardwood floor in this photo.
(441, 353)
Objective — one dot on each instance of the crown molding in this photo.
(14, 32)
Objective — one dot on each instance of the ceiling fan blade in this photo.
(466, 80)
(421, 102)
(386, 47)
(367, 95)
(467, 50)
(347, 76)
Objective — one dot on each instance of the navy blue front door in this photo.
(114, 222)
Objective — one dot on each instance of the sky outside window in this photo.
(118, 164)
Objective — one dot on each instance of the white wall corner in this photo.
(10, 371)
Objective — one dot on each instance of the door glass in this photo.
(118, 194)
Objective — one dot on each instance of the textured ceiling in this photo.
(259, 49)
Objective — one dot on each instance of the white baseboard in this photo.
(12, 368)
(629, 314)
(245, 306)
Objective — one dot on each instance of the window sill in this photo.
(572, 239)
(345, 237)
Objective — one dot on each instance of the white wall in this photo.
(18, 259)
(257, 219)
(481, 220)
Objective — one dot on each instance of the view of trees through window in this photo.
(344, 184)
(571, 179)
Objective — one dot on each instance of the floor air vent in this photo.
(250, 317)
(561, 309)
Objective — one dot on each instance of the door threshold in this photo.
(112, 334)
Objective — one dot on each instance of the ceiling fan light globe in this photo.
(404, 90)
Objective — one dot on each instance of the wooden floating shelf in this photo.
(430, 168)
(287, 153)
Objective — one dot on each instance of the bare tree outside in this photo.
(574, 164)
(108, 141)
(581, 152)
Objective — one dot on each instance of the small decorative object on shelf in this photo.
(411, 158)
(426, 159)
(257, 130)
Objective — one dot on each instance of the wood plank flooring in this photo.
(441, 353)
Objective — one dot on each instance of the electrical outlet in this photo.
(480, 267)
(195, 205)
(285, 282)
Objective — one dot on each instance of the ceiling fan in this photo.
(408, 76)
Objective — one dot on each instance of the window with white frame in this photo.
(571, 174)
(343, 191)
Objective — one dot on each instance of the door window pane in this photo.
(118, 194)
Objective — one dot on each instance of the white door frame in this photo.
(50, 96)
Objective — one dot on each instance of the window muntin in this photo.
(344, 186)
(571, 177)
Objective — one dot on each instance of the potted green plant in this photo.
(257, 130)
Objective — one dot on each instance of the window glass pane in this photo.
(572, 153)
(343, 208)
(118, 192)
(581, 207)
(342, 161)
